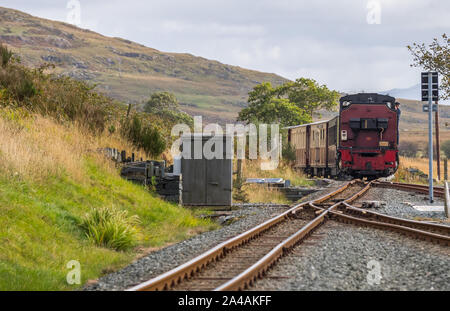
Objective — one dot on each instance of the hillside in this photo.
(61, 199)
(412, 93)
(129, 71)
(49, 181)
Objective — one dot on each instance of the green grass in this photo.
(40, 232)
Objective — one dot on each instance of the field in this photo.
(418, 163)
(421, 137)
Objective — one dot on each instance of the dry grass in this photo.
(421, 164)
(264, 194)
(51, 176)
(35, 147)
(421, 137)
(252, 169)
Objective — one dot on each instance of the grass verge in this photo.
(50, 178)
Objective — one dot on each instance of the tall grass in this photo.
(35, 147)
(111, 227)
(51, 176)
(263, 194)
(252, 169)
(422, 164)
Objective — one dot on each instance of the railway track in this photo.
(437, 191)
(238, 262)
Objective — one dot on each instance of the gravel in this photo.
(339, 257)
(398, 203)
(335, 257)
(245, 217)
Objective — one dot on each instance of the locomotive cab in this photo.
(368, 135)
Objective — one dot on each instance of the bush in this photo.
(143, 135)
(6, 55)
(111, 228)
(60, 97)
(175, 117)
(289, 153)
(408, 149)
(161, 100)
(445, 147)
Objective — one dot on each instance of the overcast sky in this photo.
(350, 45)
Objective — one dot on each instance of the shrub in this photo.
(161, 100)
(408, 149)
(165, 105)
(289, 153)
(143, 135)
(445, 147)
(111, 228)
(6, 55)
(60, 97)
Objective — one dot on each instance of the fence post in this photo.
(447, 200)
(445, 169)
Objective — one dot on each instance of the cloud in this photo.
(329, 41)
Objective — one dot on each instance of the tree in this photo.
(165, 105)
(308, 95)
(274, 110)
(435, 57)
(289, 104)
(161, 101)
(446, 148)
(143, 135)
(408, 149)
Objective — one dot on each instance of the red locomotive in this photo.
(360, 142)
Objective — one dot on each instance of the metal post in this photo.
(438, 150)
(445, 169)
(447, 201)
(430, 136)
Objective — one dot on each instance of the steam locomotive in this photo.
(362, 141)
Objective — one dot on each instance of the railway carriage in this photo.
(361, 141)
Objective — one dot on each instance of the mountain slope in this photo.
(129, 71)
(412, 93)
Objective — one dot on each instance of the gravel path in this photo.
(158, 262)
(336, 257)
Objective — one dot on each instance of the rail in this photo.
(327, 207)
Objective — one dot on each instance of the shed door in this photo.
(219, 181)
(194, 181)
